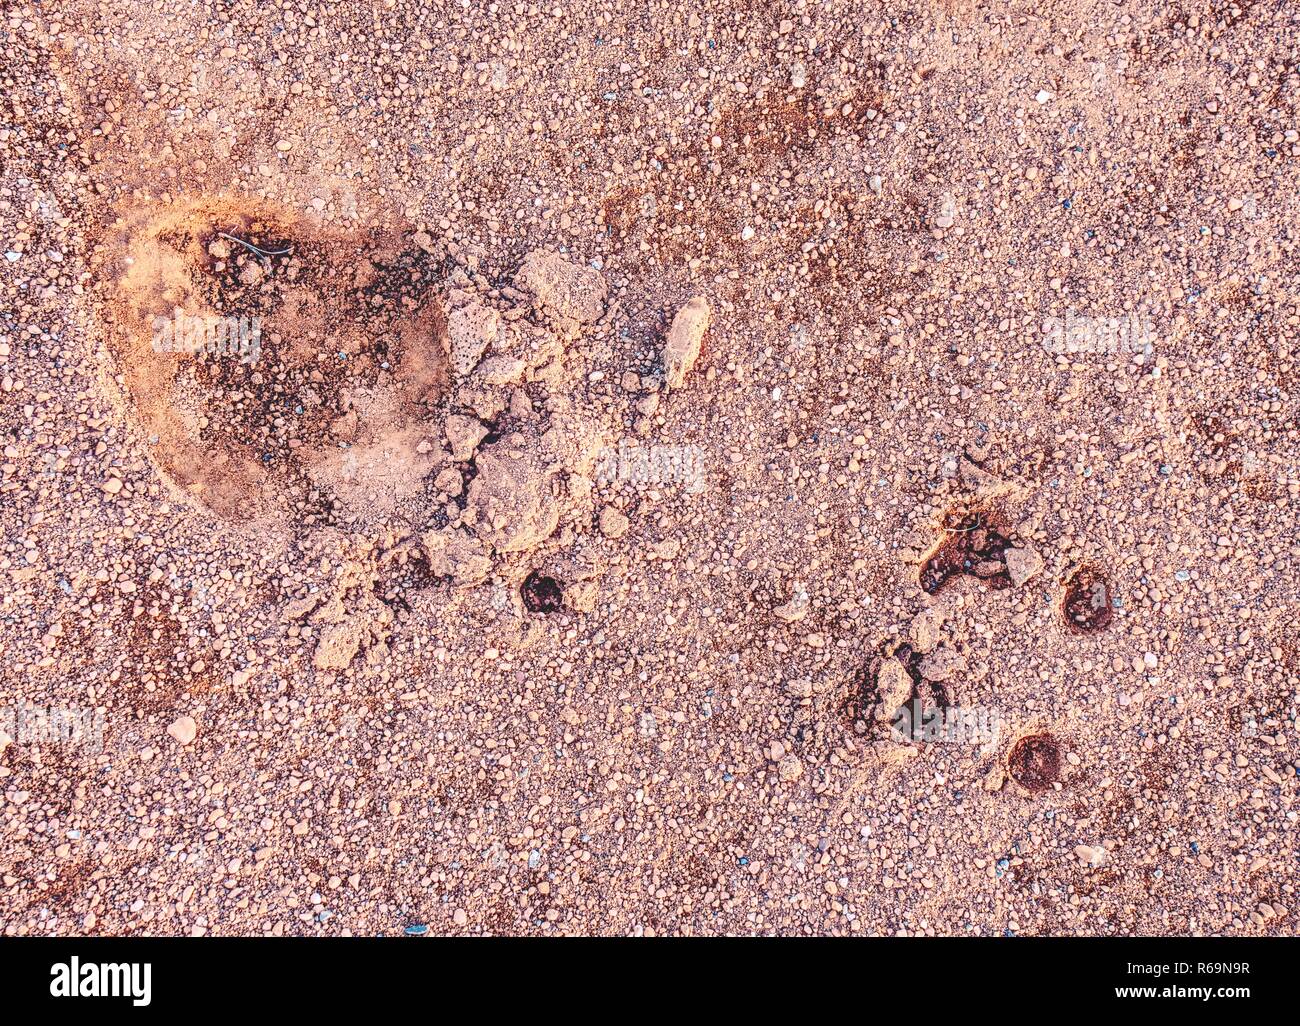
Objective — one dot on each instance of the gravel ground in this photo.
(644, 406)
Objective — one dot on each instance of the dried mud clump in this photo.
(1087, 606)
(899, 677)
(562, 287)
(1035, 762)
(682, 347)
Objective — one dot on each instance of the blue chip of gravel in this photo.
(418, 930)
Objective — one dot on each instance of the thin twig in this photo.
(256, 249)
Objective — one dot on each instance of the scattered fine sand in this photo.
(648, 404)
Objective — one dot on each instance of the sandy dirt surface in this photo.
(618, 414)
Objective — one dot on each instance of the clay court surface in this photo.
(658, 469)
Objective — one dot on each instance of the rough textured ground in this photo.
(377, 641)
